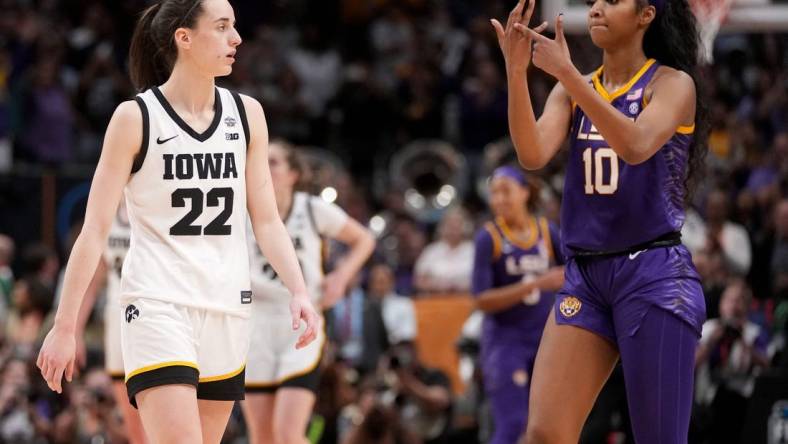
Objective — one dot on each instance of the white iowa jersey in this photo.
(115, 253)
(187, 207)
(310, 222)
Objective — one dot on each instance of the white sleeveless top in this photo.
(186, 203)
(310, 223)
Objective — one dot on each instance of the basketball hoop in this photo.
(711, 14)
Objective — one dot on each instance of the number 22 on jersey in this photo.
(594, 166)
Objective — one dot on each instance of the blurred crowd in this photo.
(361, 79)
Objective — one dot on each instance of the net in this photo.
(711, 14)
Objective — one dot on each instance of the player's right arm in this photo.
(121, 144)
(535, 141)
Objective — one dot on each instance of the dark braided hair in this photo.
(673, 40)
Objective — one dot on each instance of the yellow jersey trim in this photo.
(533, 233)
(150, 368)
(224, 376)
(624, 89)
(686, 129)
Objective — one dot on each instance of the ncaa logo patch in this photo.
(229, 121)
(570, 306)
(634, 108)
(132, 313)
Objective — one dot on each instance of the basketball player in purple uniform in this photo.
(515, 275)
(631, 289)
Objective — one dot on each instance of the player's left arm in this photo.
(269, 230)
(361, 243)
(672, 103)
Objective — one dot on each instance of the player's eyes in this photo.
(590, 3)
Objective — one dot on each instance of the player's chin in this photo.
(600, 35)
(225, 70)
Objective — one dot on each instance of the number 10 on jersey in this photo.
(593, 162)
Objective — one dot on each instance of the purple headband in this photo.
(659, 5)
(510, 172)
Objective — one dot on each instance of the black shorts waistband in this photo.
(666, 240)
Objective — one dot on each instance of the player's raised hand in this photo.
(514, 40)
(301, 309)
(550, 55)
(56, 358)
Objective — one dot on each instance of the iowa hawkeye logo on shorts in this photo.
(570, 306)
(132, 313)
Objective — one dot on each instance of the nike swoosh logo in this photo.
(159, 141)
(632, 256)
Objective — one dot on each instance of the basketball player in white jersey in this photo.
(193, 160)
(281, 382)
(107, 276)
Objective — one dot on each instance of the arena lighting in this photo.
(378, 225)
(414, 199)
(445, 196)
(329, 194)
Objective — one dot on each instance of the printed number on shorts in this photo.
(185, 227)
(594, 163)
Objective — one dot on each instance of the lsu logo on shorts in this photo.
(570, 306)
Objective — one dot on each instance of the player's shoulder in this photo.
(486, 233)
(252, 105)
(129, 112)
(671, 78)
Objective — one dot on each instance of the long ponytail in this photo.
(153, 52)
(673, 40)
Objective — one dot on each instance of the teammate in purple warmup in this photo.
(516, 273)
(631, 290)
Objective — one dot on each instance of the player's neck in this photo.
(189, 90)
(518, 222)
(621, 64)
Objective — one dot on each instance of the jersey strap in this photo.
(242, 114)
(140, 157)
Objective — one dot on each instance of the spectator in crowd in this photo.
(445, 265)
(719, 234)
(409, 240)
(32, 302)
(42, 261)
(423, 395)
(731, 352)
(399, 314)
(356, 326)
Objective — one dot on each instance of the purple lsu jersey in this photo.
(609, 205)
(501, 260)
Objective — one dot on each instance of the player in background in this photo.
(636, 132)
(516, 273)
(107, 277)
(282, 381)
(192, 161)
